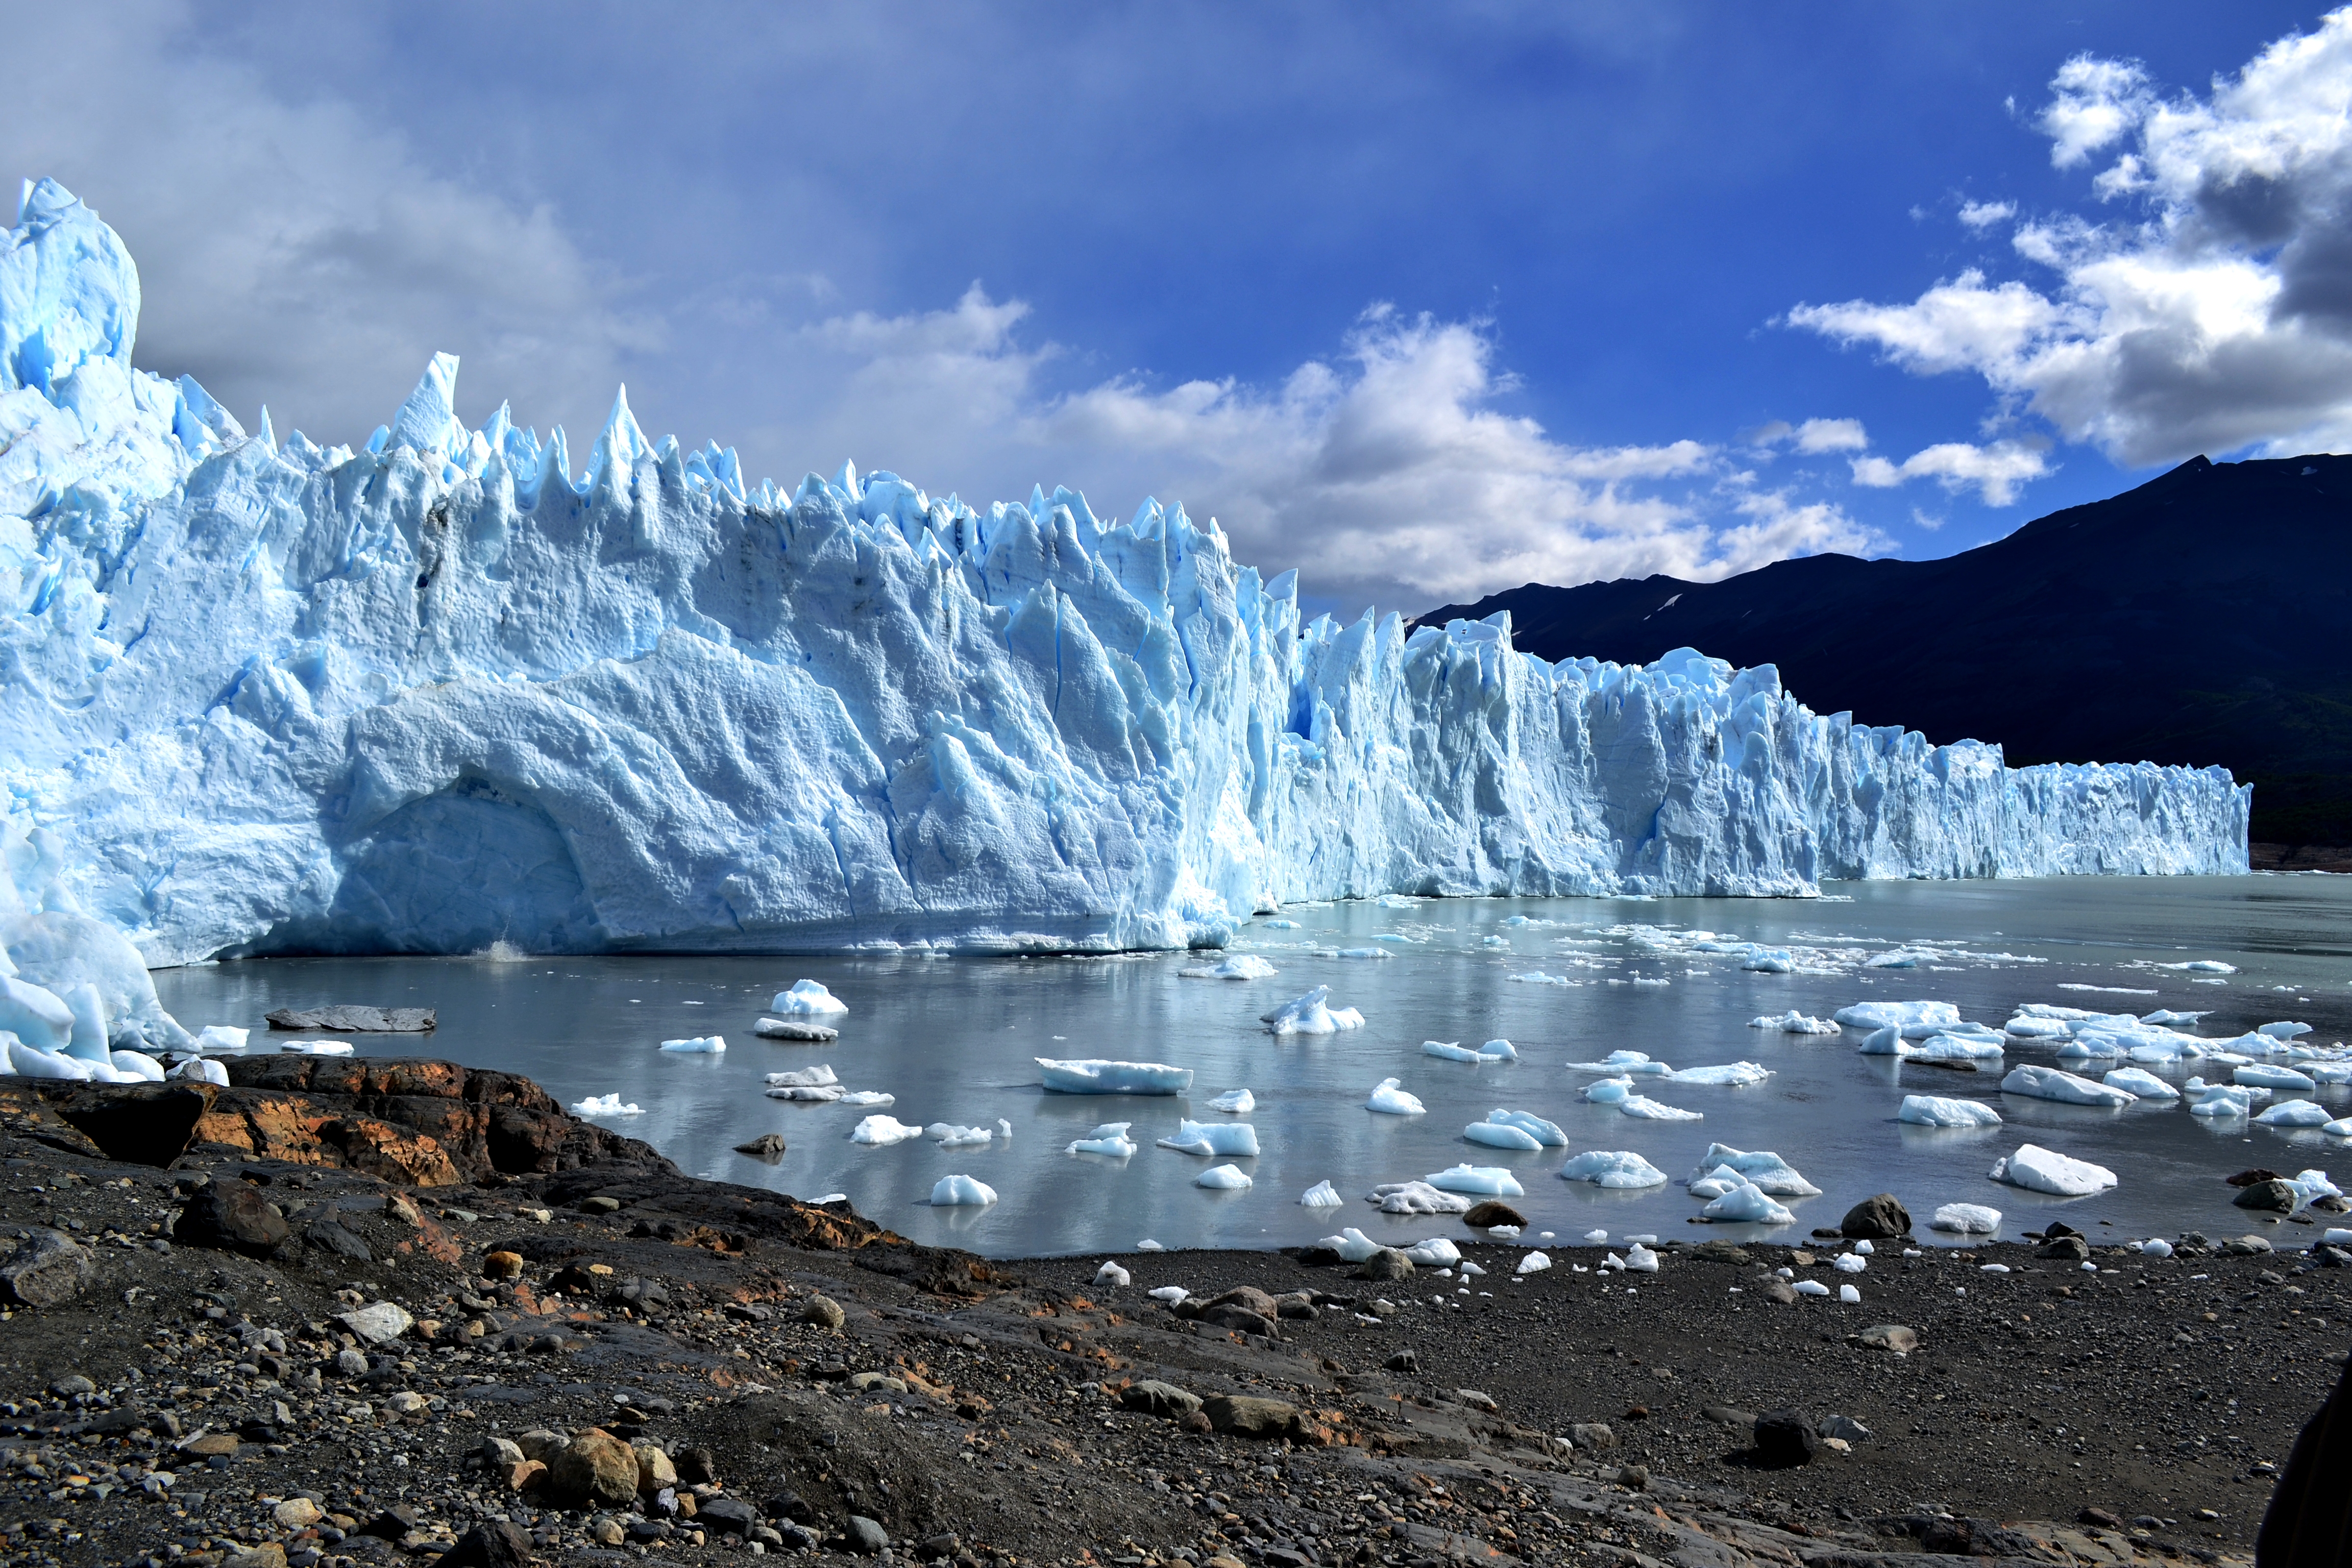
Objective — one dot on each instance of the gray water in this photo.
(955, 1040)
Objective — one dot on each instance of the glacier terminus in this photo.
(262, 696)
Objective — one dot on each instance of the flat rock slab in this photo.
(350, 1018)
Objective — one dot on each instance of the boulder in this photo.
(2064, 1249)
(1487, 1215)
(1720, 1252)
(1785, 1438)
(1388, 1263)
(825, 1312)
(866, 1538)
(339, 1240)
(1248, 1296)
(1246, 1416)
(766, 1146)
(697, 1467)
(494, 1543)
(1240, 1319)
(596, 1469)
(1889, 1337)
(233, 1216)
(1161, 1399)
(732, 1515)
(347, 1019)
(49, 1268)
(377, 1323)
(1593, 1435)
(2271, 1197)
(655, 1470)
(1879, 1219)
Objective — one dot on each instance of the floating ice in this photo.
(1533, 1263)
(1093, 1076)
(1766, 1168)
(2262, 1075)
(342, 1048)
(1311, 1014)
(1147, 1244)
(787, 1029)
(1545, 1134)
(1883, 1042)
(1649, 1109)
(807, 1093)
(1501, 1135)
(1499, 1051)
(2222, 1100)
(1966, 1219)
(1935, 1110)
(1918, 1019)
(808, 998)
(1446, 1050)
(1794, 1023)
(603, 1105)
(1596, 1237)
(960, 1192)
(1235, 1102)
(1110, 1139)
(1958, 1047)
(1491, 1180)
(1416, 1197)
(2141, 1083)
(1611, 1168)
(2044, 1171)
(1623, 1064)
(2314, 1185)
(1239, 966)
(1391, 1101)
(1321, 1196)
(881, 1131)
(1222, 1178)
(1731, 1074)
(2283, 1031)
(803, 1078)
(1609, 1090)
(1768, 961)
(2200, 967)
(221, 1037)
(1748, 1204)
(954, 1135)
(1113, 1275)
(868, 1096)
(2035, 1082)
(703, 1045)
(1230, 1138)
(2295, 1113)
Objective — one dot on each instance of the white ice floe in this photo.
(1113, 1275)
(1235, 1102)
(1620, 1168)
(703, 1045)
(1545, 1134)
(605, 1105)
(221, 1037)
(1110, 1139)
(1883, 1042)
(960, 1192)
(1447, 1051)
(1623, 1064)
(1222, 1178)
(1935, 1110)
(1648, 1109)
(2034, 1082)
(1966, 1219)
(1501, 1135)
(1311, 1014)
(2295, 1113)
(1147, 1244)
(1533, 1263)
(2283, 1031)
(1793, 1023)
(874, 1097)
(1416, 1197)
(878, 1131)
(1489, 1180)
(781, 1029)
(807, 1093)
(2262, 1075)
(1768, 961)
(1747, 1204)
(2222, 1100)
(1391, 1101)
(2041, 1170)
(1095, 1076)
(2199, 966)
(955, 1135)
(1321, 1196)
(206, 1070)
(803, 1077)
(1608, 1091)
(807, 999)
(1727, 1075)
(1924, 1018)
(2140, 1083)
(1226, 1138)
(344, 1047)
(1639, 1259)
(1499, 1051)
(1766, 1168)
(1849, 1295)
(1239, 966)
(1952, 1046)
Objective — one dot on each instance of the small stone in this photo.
(599, 1205)
(1879, 1219)
(697, 1467)
(1593, 1435)
(403, 1208)
(596, 1468)
(1892, 1337)
(2246, 1245)
(1720, 1252)
(1164, 1400)
(221, 1445)
(1487, 1215)
(337, 1240)
(500, 1451)
(1740, 1421)
(2098, 1518)
(935, 1547)
(350, 1363)
(540, 1444)
(1388, 1263)
(267, 1554)
(406, 1402)
(1249, 1297)
(732, 1515)
(493, 1543)
(68, 1386)
(522, 1474)
(608, 1532)
(2271, 1196)
(1477, 1399)
(1634, 1478)
(1779, 1290)
(766, 1146)
(1241, 1320)
(825, 1312)
(1404, 1361)
(2248, 1178)
(392, 1523)
(1844, 1428)
(378, 1323)
(1837, 1445)
(1785, 1438)
(866, 1538)
(501, 1264)
(45, 1270)
(297, 1513)
(654, 1470)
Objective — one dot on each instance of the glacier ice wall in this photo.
(262, 696)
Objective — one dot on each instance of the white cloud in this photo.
(1982, 216)
(1816, 435)
(1996, 469)
(2216, 315)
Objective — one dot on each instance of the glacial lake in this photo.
(955, 1040)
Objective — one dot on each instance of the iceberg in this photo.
(1935, 1110)
(2041, 1170)
(453, 687)
(954, 1192)
(2262, 1075)
(1110, 1139)
(879, 1131)
(1486, 1181)
(605, 1105)
(2050, 1083)
(1222, 1178)
(808, 998)
(1416, 1197)
(2295, 1113)
(2222, 1100)
(702, 1046)
(2141, 1083)
(1747, 1204)
(1391, 1100)
(1765, 1169)
(1235, 1102)
(1239, 966)
(1230, 1138)
(1310, 1014)
(1966, 1219)
(1611, 1168)
(1793, 1023)
(1915, 1019)
(1321, 1196)
(1097, 1077)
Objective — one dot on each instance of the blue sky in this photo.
(1426, 300)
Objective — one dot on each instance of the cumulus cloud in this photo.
(1812, 437)
(1996, 469)
(2212, 310)
(1982, 216)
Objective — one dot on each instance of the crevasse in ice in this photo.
(265, 696)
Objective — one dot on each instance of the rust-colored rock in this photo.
(501, 1264)
(596, 1469)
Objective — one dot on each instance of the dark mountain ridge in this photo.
(2199, 619)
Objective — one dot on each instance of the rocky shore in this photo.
(351, 1312)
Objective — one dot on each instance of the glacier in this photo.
(263, 696)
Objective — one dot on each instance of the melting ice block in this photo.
(1793, 1023)
(1935, 1110)
(803, 1077)
(1235, 1102)
(1222, 1178)
(1624, 1064)
(2041, 1170)
(1391, 1101)
(1321, 1196)
(1966, 1219)
(343, 1047)
(1649, 1109)
(1311, 1014)
(1611, 1168)
(2295, 1113)
(1609, 1090)
(1492, 1051)
(1437, 1252)
(1501, 1135)
(865, 1097)
(1110, 1139)
(1097, 1077)
(1533, 1263)
(2263, 1075)
(1112, 1274)
(808, 999)
(1416, 1197)
(881, 1131)
(1488, 1180)
(1231, 1138)
(701, 1046)
(958, 1192)
(1733, 1075)
(1915, 1019)
(1545, 1134)
(37, 1015)
(1240, 966)
(1765, 1169)
(221, 1037)
(1352, 1244)
(605, 1105)
(955, 1135)
(2140, 1083)
(1748, 1203)
(2033, 1082)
